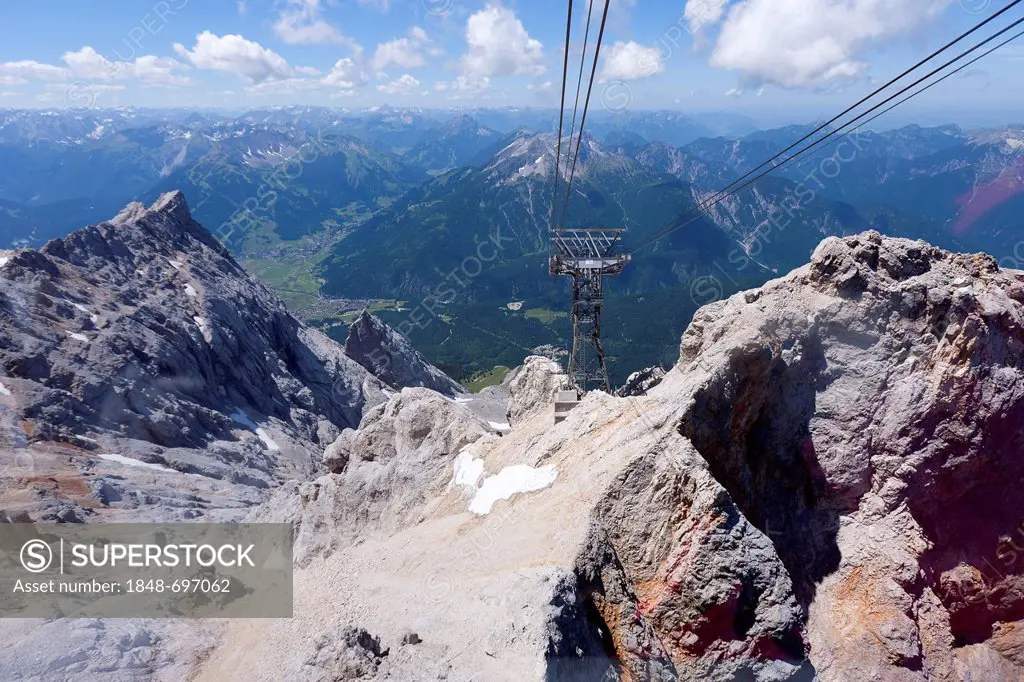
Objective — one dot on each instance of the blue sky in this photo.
(777, 60)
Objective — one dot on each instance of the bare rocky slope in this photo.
(145, 375)
(823, 487)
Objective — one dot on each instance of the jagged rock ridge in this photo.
(141, 342)
(387, 355)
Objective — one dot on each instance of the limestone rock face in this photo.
(641, 381)
(388, 356)
(348, 654)
(867, 412)
(824, 487)
(384, 473)
(139, 345)
(532, 387)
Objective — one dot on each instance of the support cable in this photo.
(878, 90)
(561, 114)
(586, 106)
(725, 193)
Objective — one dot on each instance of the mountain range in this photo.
(390, 204)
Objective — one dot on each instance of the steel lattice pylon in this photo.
(587, 256)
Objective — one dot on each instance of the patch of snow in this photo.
(92, 316)
(460, 399)
(267, 440)
(240, 417)
(203, 327)
(78, 337)
(499, 426)
(175, 264)
(512, 480)
(128, 461)
(4, 260)
(1014, 143)
(190, 290)
(3, 389)
(468, 470)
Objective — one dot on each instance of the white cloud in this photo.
(286, 85)
(8, 93)
(701, 13)
(631, 61)
(464, 85)
(734, 92)
(405, 85)
(1012, 52)
(301, 23)
(152, 70)
(88, 65)
(406, 53)
(800, 43)
(500, 46)
(94, 87)
(546, 86)
(346, 74)
(30, 70)
(234, 54)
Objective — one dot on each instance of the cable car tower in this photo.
(587, 255)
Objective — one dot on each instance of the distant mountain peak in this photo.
(141, 341)
(387, 355)
(172, 204)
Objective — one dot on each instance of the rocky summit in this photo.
(387, 355)
(146, 375)
(823, 487)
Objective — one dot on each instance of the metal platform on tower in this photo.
(587, 255)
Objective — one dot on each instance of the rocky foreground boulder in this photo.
(532, 388)
(823, 487)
